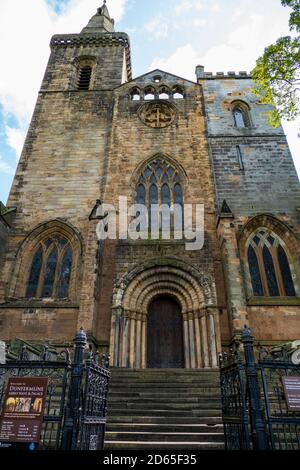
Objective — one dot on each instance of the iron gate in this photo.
(76, 401)
(283, 426)
(254, 407)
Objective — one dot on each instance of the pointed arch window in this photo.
(241, 115)
(35, 272)
(135, 94)
(269, 268)
(178, 93)
(159, 183)
(51, 269)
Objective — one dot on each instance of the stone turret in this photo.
(101, 22)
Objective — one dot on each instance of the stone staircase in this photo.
(164, 409)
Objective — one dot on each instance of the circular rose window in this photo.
(157, 115)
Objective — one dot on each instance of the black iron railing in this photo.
(255, 411)
(76, 401)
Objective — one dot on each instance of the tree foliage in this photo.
(277, 72)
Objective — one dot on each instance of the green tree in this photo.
(277, 72)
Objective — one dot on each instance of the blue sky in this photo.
(174, 35)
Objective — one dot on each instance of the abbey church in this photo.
(97, 134)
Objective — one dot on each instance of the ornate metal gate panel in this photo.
(254, 406)
(234, 406)
(76, 401)
(283, 424)
(94, 413)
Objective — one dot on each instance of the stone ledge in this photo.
(38, 304)
(276, 301)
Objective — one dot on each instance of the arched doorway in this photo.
(164, 334)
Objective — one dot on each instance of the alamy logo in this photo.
(157, 222)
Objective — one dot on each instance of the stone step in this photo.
(164, 428)
(164, 412)
(158, 445)
(164, 373)
(135, 406)
(164, 409)
(159, 420)
(158, 399)
(204, 393)
(127, 371)
(163, 437)
(162, 385)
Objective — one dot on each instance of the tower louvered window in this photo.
(50, 271)
(85, 75)
(269, 267)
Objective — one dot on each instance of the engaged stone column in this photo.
(115, 338)
(192, 340)
(211, 314)
(138, 351)
(132, 344)
(236, 300)
(125, 338)
(2, 352)
(144, 329)
(205, 356)
(198, 340)
(186, 341)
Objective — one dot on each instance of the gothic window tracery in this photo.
(269, 267)
(50, 271)
(159, 183)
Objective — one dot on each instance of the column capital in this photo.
(212, 310)
(132, 315)
(202, 312)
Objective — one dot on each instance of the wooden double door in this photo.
(165, 334)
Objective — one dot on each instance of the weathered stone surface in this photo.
(83, 146)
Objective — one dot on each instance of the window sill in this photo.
(38, 303)
(257, 301)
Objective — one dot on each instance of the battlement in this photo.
(202, 75)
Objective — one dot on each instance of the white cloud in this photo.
(15, 139)
(158, 27)
(200, 22)
(199, 5)
(6, 168)
(183, 7)
(25, 31)
(216, 7)
(182, 62)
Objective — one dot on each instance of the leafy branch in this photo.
(277, 72)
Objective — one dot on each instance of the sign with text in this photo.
(291, 387)
(23, 409)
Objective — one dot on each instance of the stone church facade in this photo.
(97, 134)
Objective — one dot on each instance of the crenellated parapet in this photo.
(202, 75)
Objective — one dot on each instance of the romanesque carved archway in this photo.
(195, 295)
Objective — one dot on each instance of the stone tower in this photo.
(98, 135)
